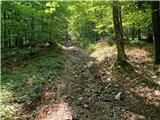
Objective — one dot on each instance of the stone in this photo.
(118, 96)
(85, 105)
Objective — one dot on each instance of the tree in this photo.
(117, 20)
(156, 29)
(31, 23)
(136, 19)
(133, 32)
(139, 29)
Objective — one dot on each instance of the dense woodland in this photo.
(80, 60)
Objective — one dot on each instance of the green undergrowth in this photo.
(93, 47)
(24, 84)
(97, 45)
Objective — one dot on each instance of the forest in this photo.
(80, 60)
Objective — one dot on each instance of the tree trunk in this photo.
(21, 40)
(32, 31)
(156, 29)
(139, 29)
(5, 30)
(121, 59)
(139, 34)
(8, 32)
(133, 32)
(2, 30)
(9, 39)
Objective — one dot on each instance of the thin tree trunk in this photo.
(139, 29)
(42, 30)
(121, 59)
(139, 34)
(17, 32)
(133, 32)
(156, 29)
(32, 31)
(5, 30)
(2, 33)
(9, 39)
(8, 32)
(21, 40)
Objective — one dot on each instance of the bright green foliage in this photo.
(37, 22)
(139, 16)
(89, 20)
(32, 23)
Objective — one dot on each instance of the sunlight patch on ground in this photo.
(134, 116)
(58, 111)
(71, 48)
(158, 82)
(152, 96)
(101, 53)
(138, 55)
(7, 111)
(148, 72)
(46, 95)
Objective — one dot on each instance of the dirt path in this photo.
(86, 90)
(79, 94)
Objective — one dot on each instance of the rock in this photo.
(140, 117)
(80, 98)
(154, 77)
(118, 96)
(116, 85)
(85, 105)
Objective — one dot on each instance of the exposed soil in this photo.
(87, 87)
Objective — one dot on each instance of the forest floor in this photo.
(86, 87)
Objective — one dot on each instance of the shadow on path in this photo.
(86, 90)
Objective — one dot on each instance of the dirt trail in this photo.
(86, 90)
(79, 94)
